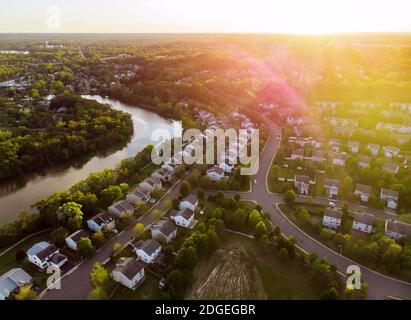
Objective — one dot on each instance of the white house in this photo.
(101, 221)
(363, 161)
(332, 187)
(363, 222)
(353, 146)
(215, 174)
(189, 202)
(12, 281)
(162, 174)
(390, 196)
(297, 154)
(121, 208)
(147, 250)
(164, 231)
(41, 254)
(396, 229)
(183, 217)
(391, 167)
(302, 183)
(318, 156)
(138, 194)
(228, 168)
(129, 272)
(374, 148)
(338, 158)
(335, 145)
(390, 151)
(150, 184)
(362, 191)
(332, 218)
(75, 237)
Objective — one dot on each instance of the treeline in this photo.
(40, 138)
(88, 197)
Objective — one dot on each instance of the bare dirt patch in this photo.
(228, 274)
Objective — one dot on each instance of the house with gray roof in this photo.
(12, 281)
(41, 254)
(363, 222)
(147, 250)
(101, 221)
(396, 229)
(121, 208)
(129, 272)
(163, 231)
(74, 238)
(390, 197)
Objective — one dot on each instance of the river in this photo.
(20, 193)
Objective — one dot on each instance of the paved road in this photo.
(76, 285)
(379, 286)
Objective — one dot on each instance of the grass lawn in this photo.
(147, 291)
(8, 260)
(281, 279)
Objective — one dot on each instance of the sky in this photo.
(193, 16)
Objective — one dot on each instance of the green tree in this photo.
(98, 238)
(185, 189)
(254, 218)
(99, 275)
(260, 230)
(85, 248)
(289, 198)
(58, 235)
(26, 293)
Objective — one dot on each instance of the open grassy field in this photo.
(262, 275)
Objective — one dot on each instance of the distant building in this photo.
(302, 183)
(374, 148)
(189, 202)
(215, 174)
(183, 217)
(390, 196)
(363, 222)
(74, 238)
(353, 146)
(332, 187)
(332, 218)
(362, 191)
(391, 167)
(396, 229)
(121, 208)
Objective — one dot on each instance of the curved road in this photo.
(76, 284)
(379, 285)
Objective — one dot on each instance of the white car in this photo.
(331, 204)
(255, 181)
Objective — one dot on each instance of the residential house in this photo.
(363, 222)
(163, 231)
(353, 146)
(189, 202)
(215, 174)
(335, 145)
(332, 218)
(41, 254)
(121, 208)
(302, 183)
(12, 281)
(297, 154)
(183, 217)
(150, 184)
(338, 158)
(147, 250)
(332, 187)
(226, 166)
(129, 272)
(138, 194)
(391, 167)
(101, 221)
(390, 151)
(74, 238)
(363, 161)
(390, 196)
(396, 229)
(374, 148)
(318, 156)
(362, 191)
(170, 166)
(162, 174)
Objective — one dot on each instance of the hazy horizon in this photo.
(184, 16)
